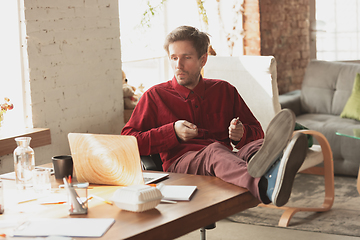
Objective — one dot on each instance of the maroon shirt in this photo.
(211, 106)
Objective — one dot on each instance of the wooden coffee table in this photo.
(213, 200)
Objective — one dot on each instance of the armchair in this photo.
(255, 78)
(151, 162)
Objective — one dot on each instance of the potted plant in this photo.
(4, 107)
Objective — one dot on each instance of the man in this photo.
(192, 122)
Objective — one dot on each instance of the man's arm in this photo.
(143, 125)
(236, 130)
(185, 130)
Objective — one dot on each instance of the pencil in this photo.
(105, 201)
(30, 200)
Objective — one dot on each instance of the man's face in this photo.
(185, 63)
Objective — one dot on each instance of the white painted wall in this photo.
(74, 69)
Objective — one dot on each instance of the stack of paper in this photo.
(69, 227)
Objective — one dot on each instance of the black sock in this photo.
(263, 184)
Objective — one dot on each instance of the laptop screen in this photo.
(106, 159)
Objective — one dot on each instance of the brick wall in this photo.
(251, 27)
(74, 69)
(284, 34)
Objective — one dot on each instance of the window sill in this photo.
(39, 137)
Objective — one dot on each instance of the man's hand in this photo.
(185, 130)
(236, 130)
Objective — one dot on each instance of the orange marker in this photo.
(54, 203)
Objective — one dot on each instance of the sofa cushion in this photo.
(318, 86)
(344, 86)
(352, 107)
(327, 86)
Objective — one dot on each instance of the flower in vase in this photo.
(4, 107)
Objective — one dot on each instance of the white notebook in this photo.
(176, 192)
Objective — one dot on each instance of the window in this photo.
(11, 66)
(338, 29)
(144, 60)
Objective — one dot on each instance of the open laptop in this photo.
(109, 159)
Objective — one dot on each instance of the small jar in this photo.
(24, 163)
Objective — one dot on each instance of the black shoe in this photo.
(277, 136)
(281, 176)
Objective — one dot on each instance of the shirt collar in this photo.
(185, 92)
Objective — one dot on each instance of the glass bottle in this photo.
(24, 163)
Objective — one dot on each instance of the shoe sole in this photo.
(281, 129)
(293, 158)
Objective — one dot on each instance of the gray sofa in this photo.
(325, 90)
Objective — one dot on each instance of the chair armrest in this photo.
(151, 162)
(291, 100)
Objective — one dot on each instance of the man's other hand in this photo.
(236, 130)
(185, 130)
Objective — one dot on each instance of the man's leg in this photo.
(277, 182)
(281, 175)
(278, 167)
(217, 160)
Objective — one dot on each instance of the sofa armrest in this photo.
(291, 100)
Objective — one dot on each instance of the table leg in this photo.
(358, 182)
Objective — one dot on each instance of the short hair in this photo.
(200, 40)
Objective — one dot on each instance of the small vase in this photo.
(24, 163)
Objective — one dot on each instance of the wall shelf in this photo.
(39, 137)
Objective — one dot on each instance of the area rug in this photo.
(342, 219)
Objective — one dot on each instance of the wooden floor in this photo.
(227, 230)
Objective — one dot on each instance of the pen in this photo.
(236, 120)
(101, 199)
(167, 201)
(89, 198)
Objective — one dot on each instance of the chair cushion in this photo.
(313, 158)
(254, 78)
(352, 107)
